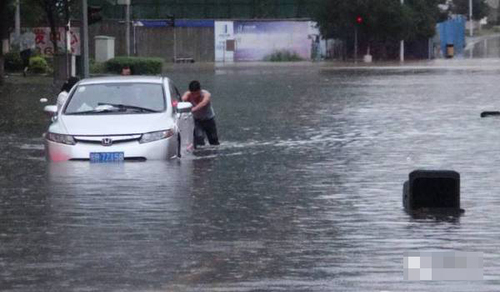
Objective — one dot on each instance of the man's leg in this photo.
(211, 129)
(198, 135)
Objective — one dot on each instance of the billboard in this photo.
(257, 40)
(39, 38)
(224, 35)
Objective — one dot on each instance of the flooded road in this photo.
(304, 194)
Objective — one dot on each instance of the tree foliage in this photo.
(383, 20)
(5, 15)
(57, 13)
(480, 8)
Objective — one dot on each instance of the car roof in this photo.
(124, 79)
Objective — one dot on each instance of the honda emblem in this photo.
(107, 142)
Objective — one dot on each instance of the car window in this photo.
(174, 93)
(141, 95)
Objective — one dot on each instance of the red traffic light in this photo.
(359, 20)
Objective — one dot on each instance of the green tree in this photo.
(480, 8)
(424, 16)
(56, 14)
(385, 22)
(5, 20)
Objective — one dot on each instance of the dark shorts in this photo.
(204, 128)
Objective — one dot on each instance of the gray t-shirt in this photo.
(205, 113)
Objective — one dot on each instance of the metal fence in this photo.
(190, 42)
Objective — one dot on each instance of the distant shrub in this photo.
(97, 68)
(13, 61)
(138, 65)
(38, 65)
(283, 56)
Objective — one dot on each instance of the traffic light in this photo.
(94, 14)
(359, 19)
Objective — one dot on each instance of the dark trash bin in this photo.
(450, 51)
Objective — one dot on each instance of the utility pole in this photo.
(17, 25)
(172, 19)
(359, 21)
(85, 40)
(470, 19)
(127, 25)
(356, 44)
(402, 45)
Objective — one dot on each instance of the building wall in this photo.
(191, 42)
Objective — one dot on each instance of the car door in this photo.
(185, 121)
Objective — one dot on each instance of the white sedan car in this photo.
(119, 119)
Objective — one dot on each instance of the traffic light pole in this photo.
(355, 44)
(85, 40)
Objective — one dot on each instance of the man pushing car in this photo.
(203, 114)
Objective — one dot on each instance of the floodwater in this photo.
(304, 194)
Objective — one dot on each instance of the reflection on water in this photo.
(304, 194)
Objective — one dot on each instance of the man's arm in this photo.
(185, 96)
(204, 101)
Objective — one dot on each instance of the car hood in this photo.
(112, 124)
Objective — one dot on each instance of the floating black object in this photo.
(489, 114)
(432, 189)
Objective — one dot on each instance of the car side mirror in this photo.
(50, 109)
(184, 107)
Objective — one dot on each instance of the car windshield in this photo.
(118, 98)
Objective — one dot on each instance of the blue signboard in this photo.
(194, 23)
(154, 23)
(452, 32)
(178, 23)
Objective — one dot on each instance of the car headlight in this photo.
(60, 138)
(155, 136)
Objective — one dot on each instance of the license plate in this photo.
(106, 156)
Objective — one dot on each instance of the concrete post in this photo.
(17, 25)
(470, 19)
(127, 25)
(402, 45)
